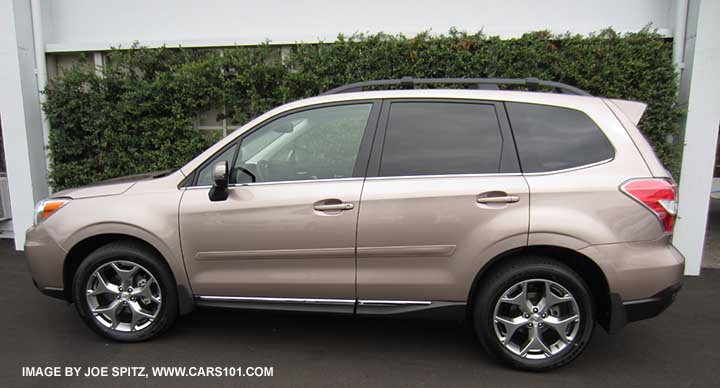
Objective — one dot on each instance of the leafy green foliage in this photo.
(137, 113)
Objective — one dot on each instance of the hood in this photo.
(108, 187)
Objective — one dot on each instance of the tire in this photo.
(506, 329)
(126, 316)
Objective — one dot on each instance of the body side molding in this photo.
(413, 308)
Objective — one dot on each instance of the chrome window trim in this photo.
(280, 182)
(377, 178)
(297, 181)
(594, 164)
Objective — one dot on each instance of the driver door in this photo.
(286, 232)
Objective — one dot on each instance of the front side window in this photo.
(205, 174)
(435, 138)
(319, 143)
(551, 138)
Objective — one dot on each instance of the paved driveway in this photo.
(677, 349)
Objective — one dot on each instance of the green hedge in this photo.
(137, 113)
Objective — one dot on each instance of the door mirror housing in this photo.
(221, 180)
(220, 174)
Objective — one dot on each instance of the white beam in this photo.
(91, 25)
(701, 134)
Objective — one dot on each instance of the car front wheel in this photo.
(124, 292)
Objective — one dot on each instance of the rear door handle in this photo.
(502, 199)
(334, 207)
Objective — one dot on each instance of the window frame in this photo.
(361, 161)
(509, 163)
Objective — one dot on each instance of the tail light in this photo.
(658, 195)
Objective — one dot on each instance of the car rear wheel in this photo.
(124, 292)
(534, 314)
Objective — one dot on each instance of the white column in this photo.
(20, 115)
(701, 132)
(40, 70)
(98, 59)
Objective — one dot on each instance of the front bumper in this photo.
(45, 259)
(636, 310)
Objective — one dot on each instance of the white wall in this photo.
(87, 25)
(20, 115)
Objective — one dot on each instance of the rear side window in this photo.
(550, 138)
(435, 138)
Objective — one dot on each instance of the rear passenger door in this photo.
(443, 191)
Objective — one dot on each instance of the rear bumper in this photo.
(638, 270)
(623, 313)
(637, 310)
(643, 279)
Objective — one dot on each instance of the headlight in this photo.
(48, 207)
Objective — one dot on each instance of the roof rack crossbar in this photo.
(479, 83)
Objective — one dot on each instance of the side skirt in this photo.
(399, 308)
(412, 309)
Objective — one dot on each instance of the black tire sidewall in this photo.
(139, 255)
(532, 268)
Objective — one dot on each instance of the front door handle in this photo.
(334, 207)
(499, 199)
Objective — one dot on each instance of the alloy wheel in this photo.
(123, 296)
(536, 319)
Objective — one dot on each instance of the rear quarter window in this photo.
(551, 138)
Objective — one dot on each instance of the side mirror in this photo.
(220, 174)
(219, 190)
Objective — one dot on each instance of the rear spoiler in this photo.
(629, 113)
(633, 110)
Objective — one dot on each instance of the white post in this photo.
(701, 133)
(20, 114)
(40, 65)
(681, 10)
(40, 70)
(98, 59)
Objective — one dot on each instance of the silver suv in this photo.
(533, 214)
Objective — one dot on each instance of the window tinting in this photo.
(551, 138)
(434, 138)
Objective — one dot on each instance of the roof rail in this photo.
(479, 83)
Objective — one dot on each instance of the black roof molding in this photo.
(478, 83)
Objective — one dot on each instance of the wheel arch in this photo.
(83, 247)
(585, 267)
